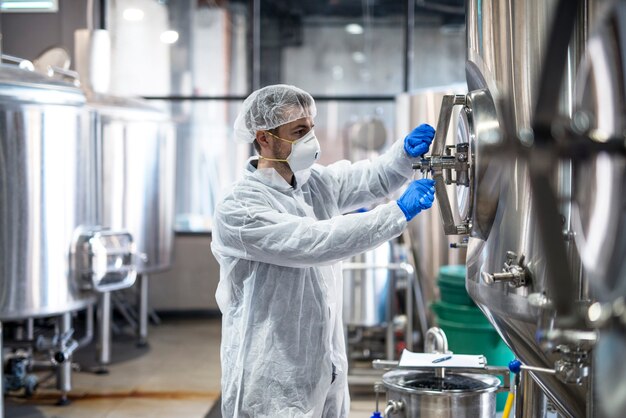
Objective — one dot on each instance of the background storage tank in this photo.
(47, 191)
(137, 154)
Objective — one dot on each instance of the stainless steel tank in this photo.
(506, 263)
(365, 301)
(599, 217)
(420, 394)
(137, 154)
(47, 193)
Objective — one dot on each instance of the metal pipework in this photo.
(513, 273)
(573, 367)
(393, 407)
(436, 342)
(65, 348)
(22, 63)
(103, 346)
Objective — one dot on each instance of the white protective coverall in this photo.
(280, 289)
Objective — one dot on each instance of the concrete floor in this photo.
(178, 376)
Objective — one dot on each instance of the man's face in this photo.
(291, 131)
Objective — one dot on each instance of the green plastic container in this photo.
(464, 338)
(463, 314)
(453, 274)
(451, 284)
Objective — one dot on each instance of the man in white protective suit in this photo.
(279, 235)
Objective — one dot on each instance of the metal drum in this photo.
(137, 154)
(47, 193)
(420, 394)
(365, 301)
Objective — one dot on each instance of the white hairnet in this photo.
(271, 107)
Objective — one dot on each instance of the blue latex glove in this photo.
(418, 141)
(417, 197)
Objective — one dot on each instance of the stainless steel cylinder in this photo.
(364, 290)
(47, 191)
(506, 47)
(413, 394)
(103, 345)
(137, 155)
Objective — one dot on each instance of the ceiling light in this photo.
(29, 6)
(133, 15)
(354, 29)
(169, 37)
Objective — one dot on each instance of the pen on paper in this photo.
(439, 360)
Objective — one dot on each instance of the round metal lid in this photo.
(479, 127)
(425, 382)
(23, 86)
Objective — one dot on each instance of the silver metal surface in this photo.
(435, 341)
(103, 260)
(424, 403)
(142, 296)
(64, 369)
(600, 230)
(530, 399)
(391, 309)
(137, 157)
(600, 214)
(47, 191)
(103, 345)
(441, 163)
(364, 289)
(92, 55)
(506, 45)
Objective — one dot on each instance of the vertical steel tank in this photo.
(137, 155)
(47, 193)
(599, 218)
(507, 273)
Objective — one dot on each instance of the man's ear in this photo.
(261, 138)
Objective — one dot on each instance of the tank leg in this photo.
(391, 312)
(142, 303)
(64, 369)
(103, 346)
(530, 400)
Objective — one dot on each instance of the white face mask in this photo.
(304, 152)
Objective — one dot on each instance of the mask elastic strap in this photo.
(273, 159)
(282, 139)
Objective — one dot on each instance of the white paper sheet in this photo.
(428, 360)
